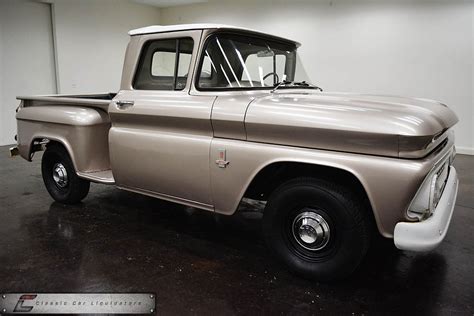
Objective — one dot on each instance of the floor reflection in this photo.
(103, 248)
(200, 263)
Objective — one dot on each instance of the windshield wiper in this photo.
(281, 83)
(295, 84)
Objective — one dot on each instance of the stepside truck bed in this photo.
(75, 121)
(100, 101)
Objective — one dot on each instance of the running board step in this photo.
(104, 176)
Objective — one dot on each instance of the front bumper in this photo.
(428, 234)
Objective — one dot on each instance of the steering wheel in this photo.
(275, 75)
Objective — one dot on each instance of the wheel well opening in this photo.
(273, 175)
(41, 143)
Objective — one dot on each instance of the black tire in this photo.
(71, 191)
(344, 226)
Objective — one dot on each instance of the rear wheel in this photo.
(60, 177)
(318, 229)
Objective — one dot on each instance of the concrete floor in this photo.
(198, 263)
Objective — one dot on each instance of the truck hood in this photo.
(371, 124)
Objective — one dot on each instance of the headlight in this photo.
(438, 183)
(433, 194)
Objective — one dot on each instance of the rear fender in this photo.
(82, 131)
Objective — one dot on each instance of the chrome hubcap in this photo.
(311, 230)
(60, 175)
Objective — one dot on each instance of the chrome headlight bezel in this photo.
(426, 199)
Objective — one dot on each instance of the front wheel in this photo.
(318, 229)
(60, 178)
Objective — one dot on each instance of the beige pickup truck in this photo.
(209, 114)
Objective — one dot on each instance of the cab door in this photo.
(161, 135)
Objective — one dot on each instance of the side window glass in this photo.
(158, 68)
(207, 72)
(183, 66)
(162, 64)
(206, 69)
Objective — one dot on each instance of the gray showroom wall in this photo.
(64, 46)
(417, 48)
(412, 48)
(91, 38)
(26, 58)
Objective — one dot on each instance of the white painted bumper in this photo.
(428, 234)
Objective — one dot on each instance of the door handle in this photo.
(122, 105)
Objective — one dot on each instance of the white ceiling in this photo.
(168, 3)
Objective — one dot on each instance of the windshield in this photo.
(237, 62)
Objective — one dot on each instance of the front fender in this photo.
(390, 183)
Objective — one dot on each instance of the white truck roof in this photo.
(196, 26)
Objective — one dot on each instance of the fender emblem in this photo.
(221, 162)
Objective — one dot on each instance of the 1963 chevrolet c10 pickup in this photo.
(209, 114)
